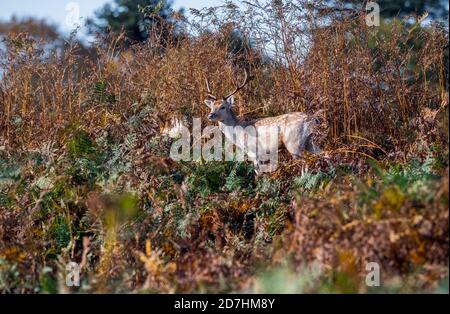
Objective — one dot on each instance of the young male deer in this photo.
(295, 130)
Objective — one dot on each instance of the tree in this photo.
(437, 9)
(132, 17)
(43, 33)
(39, 30)
(44, 40)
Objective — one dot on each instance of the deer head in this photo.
(221, 109)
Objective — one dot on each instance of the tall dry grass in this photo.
(374, 83)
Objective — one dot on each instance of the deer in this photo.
(294, 130)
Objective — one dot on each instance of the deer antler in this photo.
(247, 79)
(208, 87)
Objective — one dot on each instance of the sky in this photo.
(64, 12)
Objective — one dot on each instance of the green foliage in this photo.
(442, 287)
(276, 219)
(85, 171)
(125, 207)
(241, 177)
(268, 187)
(60, 232)
(80, 145)
(413, 178)
(312, 181)
(208, 178)
(211, 191)
(274, 196)
(48, 283)
(86, 160)
(134, 17)
(9, 174)
(100, 94)
(8, 171)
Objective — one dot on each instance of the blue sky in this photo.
(57, 11)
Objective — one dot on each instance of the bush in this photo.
(85, 173)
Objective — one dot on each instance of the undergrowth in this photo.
(86, 176)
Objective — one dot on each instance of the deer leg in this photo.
(256, 163)
(265, 166)
(295, 143)
(294, 149)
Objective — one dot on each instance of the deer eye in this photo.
(223, 107)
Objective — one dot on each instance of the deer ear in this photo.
(208, 102)
(230, 100)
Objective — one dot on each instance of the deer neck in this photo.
(230, 121)
(228, 125)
